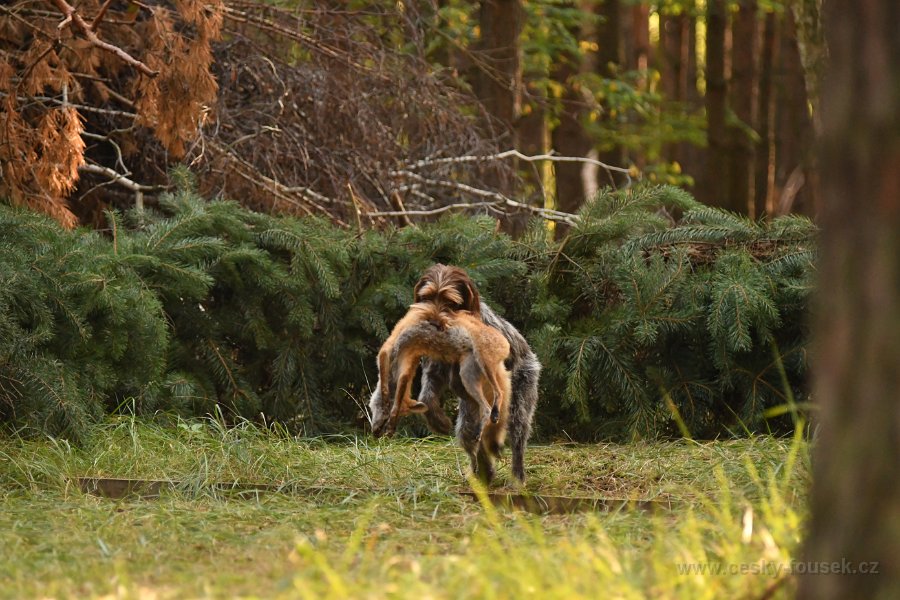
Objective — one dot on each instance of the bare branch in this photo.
(116, 177)
(497, 199)
(69, 12)
(100, 15)
(80, 107)
(516, 154)
(436, 211)
(282, 191)
(294, 34)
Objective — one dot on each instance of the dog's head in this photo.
(448, 288)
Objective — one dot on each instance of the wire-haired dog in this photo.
(450, 289)
(456, 337)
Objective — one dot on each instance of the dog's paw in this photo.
(495, 414)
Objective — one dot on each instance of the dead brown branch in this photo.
(100, 14)
(70, 13)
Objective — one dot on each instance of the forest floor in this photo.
(339, 517)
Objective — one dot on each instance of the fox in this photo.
(451, 337)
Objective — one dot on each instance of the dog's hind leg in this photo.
(469, 428)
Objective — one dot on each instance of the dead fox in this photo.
(450, 337)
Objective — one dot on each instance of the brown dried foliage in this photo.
(313, 110)
(57, 83)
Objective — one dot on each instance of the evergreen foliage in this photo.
(205, 307)
(644, 324)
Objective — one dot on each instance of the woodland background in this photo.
(331, 137)
(337, 107)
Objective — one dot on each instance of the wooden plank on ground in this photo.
(118, 488)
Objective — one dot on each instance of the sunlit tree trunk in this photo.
(856, 489)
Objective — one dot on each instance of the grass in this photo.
(389, 521)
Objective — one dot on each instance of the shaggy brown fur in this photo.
(449, 289)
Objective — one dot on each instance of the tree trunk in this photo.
(794, 132)
(692, 94)
(691, 156)
(499, 84)
(674, 60)
(500, 76)
(673, 32)
(640, 18)
(743, 100)
(533, 135)
(765, 149)
(856, 490)
(569, 137)
(808, 17)
(716, 179)
(608, 61)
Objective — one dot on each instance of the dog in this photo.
(457, 337)
(450, 288)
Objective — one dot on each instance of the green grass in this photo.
(390, 521)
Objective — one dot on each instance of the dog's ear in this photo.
(430, 276)
(425, 280)
(471, 299)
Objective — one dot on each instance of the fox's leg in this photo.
(495, 374)
(472, 374)
(384, 370)
(403, 404)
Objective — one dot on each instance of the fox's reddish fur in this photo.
(451, 337)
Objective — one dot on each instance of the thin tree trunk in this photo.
(716, 105)
(743, 100)
(569, 139)
(692, 157)
(810, 41)
(608, 60)
(533, 137)
(765, 149)
(673, 32)
(856, 489)
(794, 133)
(692, 94)
(499, 83)
(640, 18)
